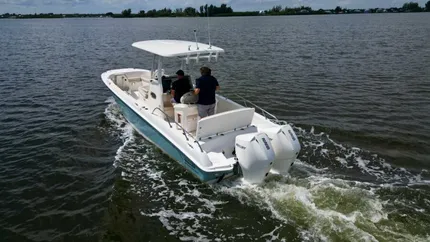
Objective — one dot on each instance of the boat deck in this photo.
(217, 141)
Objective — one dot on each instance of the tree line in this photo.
(224, 10)
(206, 10)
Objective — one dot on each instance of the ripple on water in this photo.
(47, 164)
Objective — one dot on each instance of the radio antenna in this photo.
(195, 36)
(209, 32)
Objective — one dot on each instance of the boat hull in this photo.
(151, 134)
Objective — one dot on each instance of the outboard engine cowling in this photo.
(255, 155)
(286, 146)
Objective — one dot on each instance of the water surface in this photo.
(355, 87)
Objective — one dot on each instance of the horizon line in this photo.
(197, 8)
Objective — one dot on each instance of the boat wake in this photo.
(334, 193)
(119, 126)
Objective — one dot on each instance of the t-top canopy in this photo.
(177, 48)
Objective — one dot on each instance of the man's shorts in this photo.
(205, 110)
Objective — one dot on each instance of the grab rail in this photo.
(184, 132)
(256, 106)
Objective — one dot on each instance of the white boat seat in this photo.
(224, 143)
(224, 122)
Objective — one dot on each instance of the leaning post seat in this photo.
(186, 116)
(224, 122)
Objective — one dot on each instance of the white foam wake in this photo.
(326, 209)
(123, 129)
(320, 199)
(181, 207)
(326, 153)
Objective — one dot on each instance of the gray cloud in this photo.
(17, 2)
(43, 2)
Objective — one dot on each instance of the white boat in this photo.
(236, 141)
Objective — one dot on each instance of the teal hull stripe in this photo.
(163, 143)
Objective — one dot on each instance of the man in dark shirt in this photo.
(206, 86)
(180, 87)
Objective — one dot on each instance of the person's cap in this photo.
(180, 73)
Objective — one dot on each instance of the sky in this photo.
(116, 6)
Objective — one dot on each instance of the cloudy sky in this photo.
(102, 6)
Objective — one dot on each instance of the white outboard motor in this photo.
(255, 155)
(286, 146)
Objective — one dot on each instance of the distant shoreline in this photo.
(224, 11)
(98, 16)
